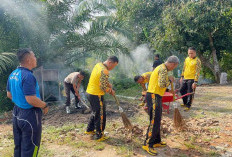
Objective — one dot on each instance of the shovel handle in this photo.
(84, 104)
(172, 88)
(116, 99)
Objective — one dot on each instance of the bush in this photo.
(226, 65)
(126, 83)
(5, 103)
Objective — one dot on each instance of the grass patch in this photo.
(213, 154)
(81, 144)
(99, 146)
(214, 129)
(190, 145)
(124, 150)
(207, 139)
(132, 92)
(43, 151)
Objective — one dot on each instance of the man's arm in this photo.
(143, 87)
(9, 95)
(34, 101)
(163, 82)
(197, 74)
(29, 90)
(104, 82)
(198, 70)
(76, 89)
(183, 70)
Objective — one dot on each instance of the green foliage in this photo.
(189, 24)
(5, 103)
(6, 60)
(173, 26)
(226, 64)
(120, 84)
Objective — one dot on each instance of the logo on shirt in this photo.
(15, 76)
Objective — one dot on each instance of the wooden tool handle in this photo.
(172, 88)
(116, 99)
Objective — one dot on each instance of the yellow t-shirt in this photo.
(192, 68)
(146, 77)
(97, 80)
(159, 81)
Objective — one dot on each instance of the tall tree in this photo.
(92, 28)
(204, 24)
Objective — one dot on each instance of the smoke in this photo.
(28, 13)
(139, 61)
(142, 58)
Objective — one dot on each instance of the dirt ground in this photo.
(207, 132)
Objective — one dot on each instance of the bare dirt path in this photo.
(208, 130)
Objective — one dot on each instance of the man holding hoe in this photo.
(97, 87)
(159, 81)
(143, 80)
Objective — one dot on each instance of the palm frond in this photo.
(6, 60)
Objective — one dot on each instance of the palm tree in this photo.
(92, 29)
(6, 60)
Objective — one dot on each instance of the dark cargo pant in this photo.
(69, 87)
(187, 88)
(27, 129)
(97, 119)
(154, 103)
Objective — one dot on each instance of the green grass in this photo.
(207, 139)
(131, 92)
(99, 146)
(124, 150)
(213, 153)
(189, 145)
(43, 151)
(214, 129)
(7, 145)
(81, 144)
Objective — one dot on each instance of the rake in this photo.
(125, 120)
(178, 120)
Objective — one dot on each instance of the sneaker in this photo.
(68, 111)
(182, 105)
(186, 108)
(150, 150)
(90, 132)
(78, 106)
(161, 144)
(101, 138)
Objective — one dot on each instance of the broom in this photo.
(125, 120)
(178, 120)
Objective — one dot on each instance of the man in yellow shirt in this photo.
(189, 77)
(143, 80)
(97, 87)
(159, 81)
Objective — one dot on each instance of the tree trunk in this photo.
(216, 66)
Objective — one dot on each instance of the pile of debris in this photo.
(129, 134)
